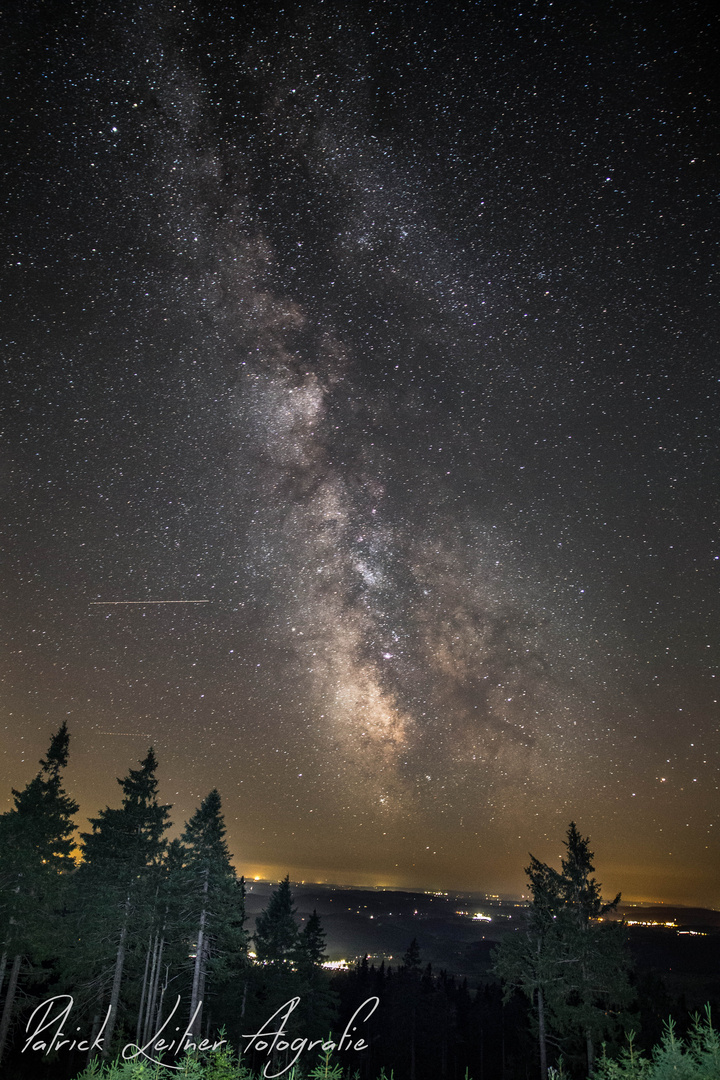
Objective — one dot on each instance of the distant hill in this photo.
(381, 923)
(695, 917)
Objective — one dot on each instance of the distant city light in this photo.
(650, 922)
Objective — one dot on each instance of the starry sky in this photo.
(387, 335)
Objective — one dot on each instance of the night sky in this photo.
(390, 333)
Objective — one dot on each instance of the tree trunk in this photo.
(541, 1034)
(115, 992)
(94, 1032)
(166, 983)
(412, 1056)
(590, 1053)
(198, 983)
(412, 1047)
(9, 1002)
(143, 996)
(3, 965)
(153, 987)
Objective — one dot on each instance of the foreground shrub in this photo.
(697, 1058)
(220, 1065)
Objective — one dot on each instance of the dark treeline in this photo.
(431, 1025)
(144, 931)
(141, 931)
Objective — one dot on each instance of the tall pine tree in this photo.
(311, 944)
(116, 883)
(276, 931)
(292, 964)
(35, 857)
(317, 1011)
(594, 950)
(529, 960)
(166, 948)
(568, 962)
(216, 904)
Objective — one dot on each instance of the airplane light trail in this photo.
(97, 603)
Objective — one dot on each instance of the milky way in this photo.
(390, 334)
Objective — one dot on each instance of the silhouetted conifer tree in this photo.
(276, 931)
(217, 901)
(166, 950)
(311, 945)
(117, 885)
(596, 960)
(35, 856)
(571, 966)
